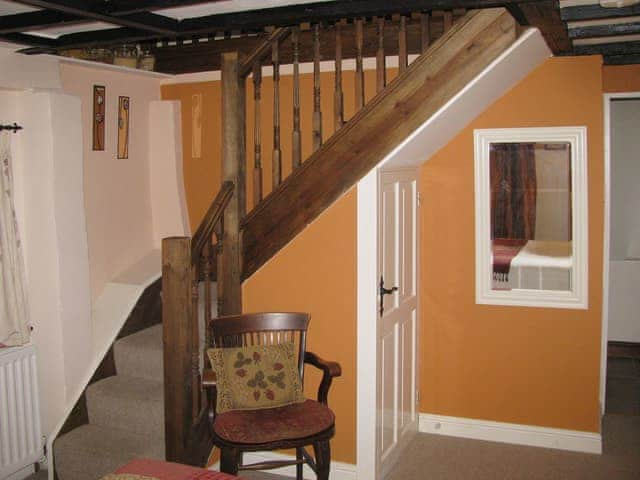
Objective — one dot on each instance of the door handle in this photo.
(384, 291)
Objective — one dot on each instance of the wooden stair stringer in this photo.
(431, 81)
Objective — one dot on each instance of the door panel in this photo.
(397, 325)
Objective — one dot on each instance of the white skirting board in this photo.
(529, 435)
(339, 470)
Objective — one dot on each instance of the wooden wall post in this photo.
(177, 325)
(233, 169)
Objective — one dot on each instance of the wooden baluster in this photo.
(359, 83)
(296, 142)
(218, 229)
(194, 348)
(425, 32)
(403, 59)
(317, 114)
(207, 256)
(338, 103)
(381, 69)
(276, 166)
(447, 19)
(257, 135)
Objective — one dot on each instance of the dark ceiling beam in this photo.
(325, 11)
(545, 16)
(608, 49)
(144, 20)
(608, 30)
(591, 12)
(37, 20)
(630, 59)
(44, 44)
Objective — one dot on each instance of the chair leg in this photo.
(322, 451)
(229, 459)
(299, 465)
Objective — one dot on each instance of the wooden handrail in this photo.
(263, 50)
(206, 229)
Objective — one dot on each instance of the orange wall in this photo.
(322, 283)
(533, 366)
(621, 78)
(316, 273)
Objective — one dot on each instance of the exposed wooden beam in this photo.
(607, 30)
(37, 20)
(622, 59)
(44, 45)
(326, 12)
(205, 56)
(143, 20)
(545, 16)
(608, 49)
(590, 12)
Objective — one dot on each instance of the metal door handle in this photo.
(384, 291)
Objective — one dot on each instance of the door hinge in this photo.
(417, 397)
(419, 199)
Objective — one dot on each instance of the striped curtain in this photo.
(13, 292)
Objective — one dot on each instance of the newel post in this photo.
(233, 169)
(176, 336)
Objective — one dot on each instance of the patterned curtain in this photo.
(13, 299)
(513, 190)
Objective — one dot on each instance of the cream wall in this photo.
(47, 162)
(117, 191)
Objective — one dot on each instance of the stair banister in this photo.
(186, 262)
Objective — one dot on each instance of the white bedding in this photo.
(540, 265)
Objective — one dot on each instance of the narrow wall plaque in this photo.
(196, 125)
(123, 127)
(99, 94)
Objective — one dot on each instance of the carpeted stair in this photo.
(126, 413)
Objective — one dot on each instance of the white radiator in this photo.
(21, 443)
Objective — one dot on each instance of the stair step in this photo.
(90, 452)
(140, 354)
(127, 403)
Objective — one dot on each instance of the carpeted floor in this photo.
(436, 457)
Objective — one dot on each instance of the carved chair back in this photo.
(270, 328)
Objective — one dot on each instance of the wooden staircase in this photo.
(231, 245)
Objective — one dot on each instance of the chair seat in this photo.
(290, 422)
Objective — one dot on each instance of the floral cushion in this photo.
(127, 476)
(255, 377)
(299, 420)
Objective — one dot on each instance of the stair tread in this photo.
(91, 451)
(140, 354)
(128, 403)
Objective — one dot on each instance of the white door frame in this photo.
(608, 98)
(367, 253)
(367, 463)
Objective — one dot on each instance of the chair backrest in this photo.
(269, 328)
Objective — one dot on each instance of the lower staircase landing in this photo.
(126, 413)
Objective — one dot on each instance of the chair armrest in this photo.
(329, 370)
(209, 385)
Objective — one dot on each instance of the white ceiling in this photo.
(179, 13)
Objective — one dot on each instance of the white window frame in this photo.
(577, 297)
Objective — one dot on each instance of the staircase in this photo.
(137, 406)
(125, 413)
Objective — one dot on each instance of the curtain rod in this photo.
(15, 127)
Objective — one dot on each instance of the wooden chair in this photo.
(297, 426)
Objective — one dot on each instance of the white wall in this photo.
(22, 71)
(624, 265)
(625, 172)
(117, 191)
(48, 169)
(168, 199)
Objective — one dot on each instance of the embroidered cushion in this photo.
(127, 476)
(255, 377)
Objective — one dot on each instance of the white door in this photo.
(397, 418)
